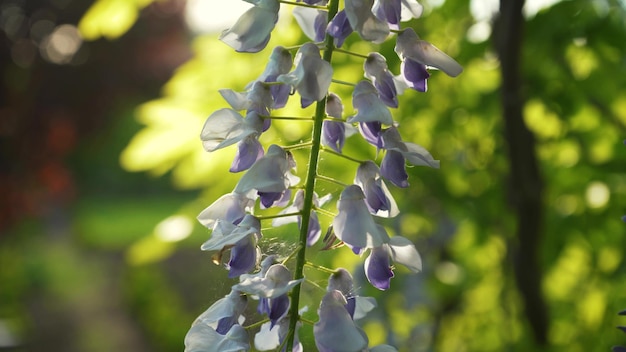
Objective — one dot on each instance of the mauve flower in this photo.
(397, 249)
(335, 132)
(203, 338)
(393, 166)
(252, 31)
(257, 98)
(335, 330)
(225, 127)
(369, 106)
(354, 224)
(363, 21)
(224, 313)
(313, 22)
(280, 62)
(339, 28)
(272, 291)
(231, 208)
(378, 199)
(241, 239)
(268, 338)
(270, 174)
(387, 85)
(409, 45)
(248, 152)
(372, 132)
(415, 154)
(314, 231)
(377, 268)
(357, 306)
(415, 75)
(312, 75)
(396, 11)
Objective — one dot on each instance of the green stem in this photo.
(297, 146)
(330, 151)
(325, 212)
(257, 324)
(351, 53)
(343, 82)
(320, 113)
(320, 268)
(286, 118)
(331, 180)
(302, 4)
(307, 321)
(266, 217)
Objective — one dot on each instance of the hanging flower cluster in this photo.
(269, 177)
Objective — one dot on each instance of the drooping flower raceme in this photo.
(269, 175)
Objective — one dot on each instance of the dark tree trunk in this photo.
(525, 184)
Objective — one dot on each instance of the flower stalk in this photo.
(309, 188)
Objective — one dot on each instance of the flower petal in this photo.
(377, 268)
(354, 224)
(248, 152)
(402, 251)
(252, 30)
(231, 207)
(410, 46)
(203, 338)
(339, 28)
(369, 106)
(393, 168)
(335, 330)
(363, 21)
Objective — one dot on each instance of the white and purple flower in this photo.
(363, 21)
(312, 75)
(253, 29)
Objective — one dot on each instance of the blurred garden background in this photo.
(102, 174)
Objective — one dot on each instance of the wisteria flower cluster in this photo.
(270, 180)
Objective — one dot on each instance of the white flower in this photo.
(312, 75)
(252, 30)
(335, 330)
(269, 174)
(369, 106)
(231, 207)
(363, 21)
(354, 224)
(378, 199)
(203, 338)
(409, 45)
(413, 153)
(276, 282)
(226, 127)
